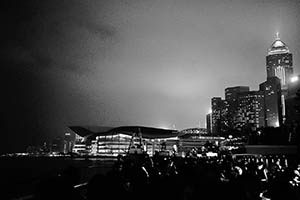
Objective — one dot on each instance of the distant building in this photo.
(272, 102)
(116, 141)
(57, 145)
(218, 115)
(232, 99)
(108, 141)
(275, 102)
(209, 123)
(279, 62)
(251, 110)
(80, 146)
(292, 101)
(79, 139)
(194, 132)
(68, 143)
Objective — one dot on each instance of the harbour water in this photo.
(20, 175)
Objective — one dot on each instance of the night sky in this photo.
(135, 62)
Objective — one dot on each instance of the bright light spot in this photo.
(210, 111)
(175, 148)
(277, 124)
(211, 154)
(294, 79)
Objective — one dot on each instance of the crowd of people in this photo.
(244, 177)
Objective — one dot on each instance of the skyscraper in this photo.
(218, 115)
(272, 101)
(232, 99)
(251, 110)
(209, 123)
(292, 102)
(279, 62)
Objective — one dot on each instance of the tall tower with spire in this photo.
(279, 62)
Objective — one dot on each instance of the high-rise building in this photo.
(251, 110)
(292, 102)
(272, 101)
(232, 99)
(279, 62)
(218, 115)
(209, 123)
(266, 107)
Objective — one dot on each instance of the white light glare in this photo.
(294, 79)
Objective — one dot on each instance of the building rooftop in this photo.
(146, 132)
(278, 47)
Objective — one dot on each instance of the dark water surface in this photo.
(20, 175)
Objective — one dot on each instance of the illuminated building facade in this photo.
(117, 144)
(194, 132)
(117, 141)
(218, 115)
(272, 101)
(232, 99)
(68, 143)
(208, 123)
(279, 62)
(110, 141)
(79, 146)
(251, 110)
(266, 107)
(111, 144)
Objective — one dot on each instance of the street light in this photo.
(294, 79)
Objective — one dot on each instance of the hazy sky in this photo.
(135, 62)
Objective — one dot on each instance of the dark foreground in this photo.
(133, 177)
(20, 176)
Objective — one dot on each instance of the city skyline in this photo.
(244, 110)
(133, 62)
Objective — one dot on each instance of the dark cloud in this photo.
(103, 31)
(130, 62)
(50, 34)
(22, 110)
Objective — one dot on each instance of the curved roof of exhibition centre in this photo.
(147, 132)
